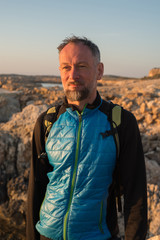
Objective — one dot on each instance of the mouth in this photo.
(75, 85)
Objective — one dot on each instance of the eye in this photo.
(82, 66)
(66, 67)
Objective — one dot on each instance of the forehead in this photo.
(76, 51)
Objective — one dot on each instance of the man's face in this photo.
(80, 71)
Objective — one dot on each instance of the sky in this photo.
(127, 33)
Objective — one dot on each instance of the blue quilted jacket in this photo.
(74, 207)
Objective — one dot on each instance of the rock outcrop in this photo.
(140, 97)
(154, 72)
(15, 154)
(9, 104)
(155, 238)
(153, 209)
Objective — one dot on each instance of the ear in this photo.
(100, 70)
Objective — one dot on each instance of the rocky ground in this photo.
(21, 102)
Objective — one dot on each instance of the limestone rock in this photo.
(143, 108)
(154, 71)
(153, 171)
(148, 118)
(141, 97)
(15, 140)
(153, 209)
(154, 238)
(12, 212)
(9, 104)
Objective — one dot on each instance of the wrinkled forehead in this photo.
(76, 51)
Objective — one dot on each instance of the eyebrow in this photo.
(63, 64)
(82, 62)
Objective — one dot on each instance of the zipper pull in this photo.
(80, 118)
(80, 114)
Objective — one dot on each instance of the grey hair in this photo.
(85, 41)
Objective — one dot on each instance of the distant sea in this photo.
(49, 85)
(45, 85)
(2, 90)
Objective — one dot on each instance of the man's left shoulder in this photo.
(128, 117)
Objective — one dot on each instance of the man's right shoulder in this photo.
(41, 118)
(50, 115)
(50, 112)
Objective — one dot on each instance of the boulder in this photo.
(15, 144)
(154, 238)
(153, 72)
(9, 104)
(153, 194)
(153, 171)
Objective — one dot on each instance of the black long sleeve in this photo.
(133, 178)
(37, 181)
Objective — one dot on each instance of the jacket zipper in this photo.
(74, 174)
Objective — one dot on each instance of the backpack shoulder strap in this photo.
(116, 121)
(116, 111)
(113, 111)
(50, 118)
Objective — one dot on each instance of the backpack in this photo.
(115, 120)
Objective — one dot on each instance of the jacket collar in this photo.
(94, 105)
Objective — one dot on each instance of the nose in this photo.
(74, 74)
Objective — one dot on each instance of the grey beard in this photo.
(77, 95)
